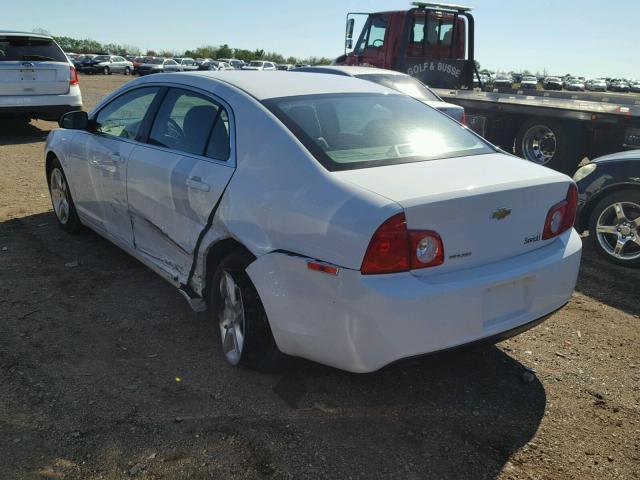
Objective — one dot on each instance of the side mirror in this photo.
(76, 120)
(350, 24)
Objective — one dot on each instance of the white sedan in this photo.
(318, 216)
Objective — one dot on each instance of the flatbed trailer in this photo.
(539, 125)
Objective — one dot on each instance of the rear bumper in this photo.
(44, 107)
(47, 112)
(362, 323)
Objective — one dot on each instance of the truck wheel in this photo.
(550, 143)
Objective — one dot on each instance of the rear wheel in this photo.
(61, 199)
(614, 227)
(127, 70)
(106, 71)
(550, 143)
(245, 334)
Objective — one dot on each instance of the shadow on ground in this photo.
(105, 371)
(608, 283)
(19, 132)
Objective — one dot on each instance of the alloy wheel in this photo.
(231, 318)
(59, 195)
(618, 230)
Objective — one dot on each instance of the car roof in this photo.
(279, 83)
(16, 33)
(347, 70)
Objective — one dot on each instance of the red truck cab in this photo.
(431, 38)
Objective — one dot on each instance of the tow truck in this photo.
(434, 42)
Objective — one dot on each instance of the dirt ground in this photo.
(105, 372)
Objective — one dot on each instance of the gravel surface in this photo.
(105, 372)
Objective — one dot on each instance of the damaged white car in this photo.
(318, 216)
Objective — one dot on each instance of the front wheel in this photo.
(127, 71)
(550, 143)
(614, 227)
(61, 199)
(106, 71)
(245, 333)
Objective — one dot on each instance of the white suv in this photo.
(36, 78)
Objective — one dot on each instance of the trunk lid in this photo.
(485, 207)
(34, 78)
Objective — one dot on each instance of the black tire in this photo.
(106, 71)
(259, 349)
(127, 70)
(71, 223)
(630, 195)
(567, 147)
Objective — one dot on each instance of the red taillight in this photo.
(562, 215)
(463, 119)
(393, 248)
(73, 76)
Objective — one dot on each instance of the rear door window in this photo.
(23, 48)
(192, 123)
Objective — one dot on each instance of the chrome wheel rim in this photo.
(59, 195)
(231, 318)
(618, 230)
(539, 144)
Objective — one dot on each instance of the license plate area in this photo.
(28, 74)
(505, 301)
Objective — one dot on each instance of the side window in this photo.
(372, 35)
(377, 32)
(417, 32)
(192, 123)
(123, 116)
(439, 30)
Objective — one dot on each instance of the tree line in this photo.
(75, 45)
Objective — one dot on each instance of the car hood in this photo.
(620, 156)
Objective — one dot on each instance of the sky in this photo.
(582, 37)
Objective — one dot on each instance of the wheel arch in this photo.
(214, 255)
(585, 214)
(50, 157)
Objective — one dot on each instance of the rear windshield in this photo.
(256, 64)
(14, 48)
(405, 84)
(350, 130)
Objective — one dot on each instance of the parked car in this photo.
(398, 81)
(502, 81)
(186, 64)
(596, 85)
(552, 83)
(574, 84)
(259, 65)
(285, 66)
(139, 61)
(234, 62)
(82, 60)
(634, 86)
(37, 80)
(158, 65)
(107, 64)
(609, 206)
(407, 232)
(301, 65)
(208, 65)
(618, 85)
(529, 83)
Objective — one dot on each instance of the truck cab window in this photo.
(373, 33)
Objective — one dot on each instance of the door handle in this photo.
(197, 184)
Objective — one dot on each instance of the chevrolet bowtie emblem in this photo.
(501, 213)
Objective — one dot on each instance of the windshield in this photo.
(14, 48)
(529, 79)
(405, 84)
(356, 130)
(101, 58)
(256, 64)
(155, 61)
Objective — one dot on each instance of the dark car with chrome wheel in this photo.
(609, 206)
